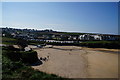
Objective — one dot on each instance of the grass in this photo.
(35, 42)
(97, 42)
(101, 44)
(9, 41)
(13, 41)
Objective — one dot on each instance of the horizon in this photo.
(62, 31)
(87, 17)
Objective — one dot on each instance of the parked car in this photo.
(40, 46)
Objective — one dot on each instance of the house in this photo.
(27, 49)
(73, 37)
(47, 36)
(89, 37)
(96, 37)
(24, 36)
(56, 37)
(3, 35)
(84, 37)
(64, 37)
(13, 34)
(110, 37)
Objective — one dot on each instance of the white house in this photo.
(97, 37)
(84, 37)
(89, 37)
(13, 34)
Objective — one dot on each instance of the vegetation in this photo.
(93, 44)
(22, 44)
(60, 44)
(16, 69)
(36, 42)
(72, 33)
(15, 61)
(9, 41)
(29, 56)
(97, 42)
(17, 55)
(75, 33)
(90, 44)
(101, 44)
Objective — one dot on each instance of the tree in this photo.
(22, 44)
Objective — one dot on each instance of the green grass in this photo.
(9, 41)
(101, 44)
(97, 42)
(6, 39)
(12, 41)
(35, 42)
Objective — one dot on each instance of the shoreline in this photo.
(78, 62)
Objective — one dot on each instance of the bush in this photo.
(12, 55)
(36, 42)
(22, 44)
(8, 65)
(16, 55)
(62, 44)
(29, 56)
(101, 44)
(10, 48)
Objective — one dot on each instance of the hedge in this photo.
(110, 45)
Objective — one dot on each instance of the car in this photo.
(40, 46)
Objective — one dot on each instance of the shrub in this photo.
(16, 55)
(22, 44)
(12, 55)
(8, 65)
(10, 47)
(29, 56)
(101, 44)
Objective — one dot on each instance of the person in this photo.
(44, 59)
(47, 57)
(40, 58)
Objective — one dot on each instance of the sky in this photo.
(93, 17)
(60, 0)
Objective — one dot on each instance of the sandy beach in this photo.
(78, 62)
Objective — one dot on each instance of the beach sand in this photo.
(78, 62)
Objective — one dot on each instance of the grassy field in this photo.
(13, 41)
(9, 41)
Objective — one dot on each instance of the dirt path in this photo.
(77, 62)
